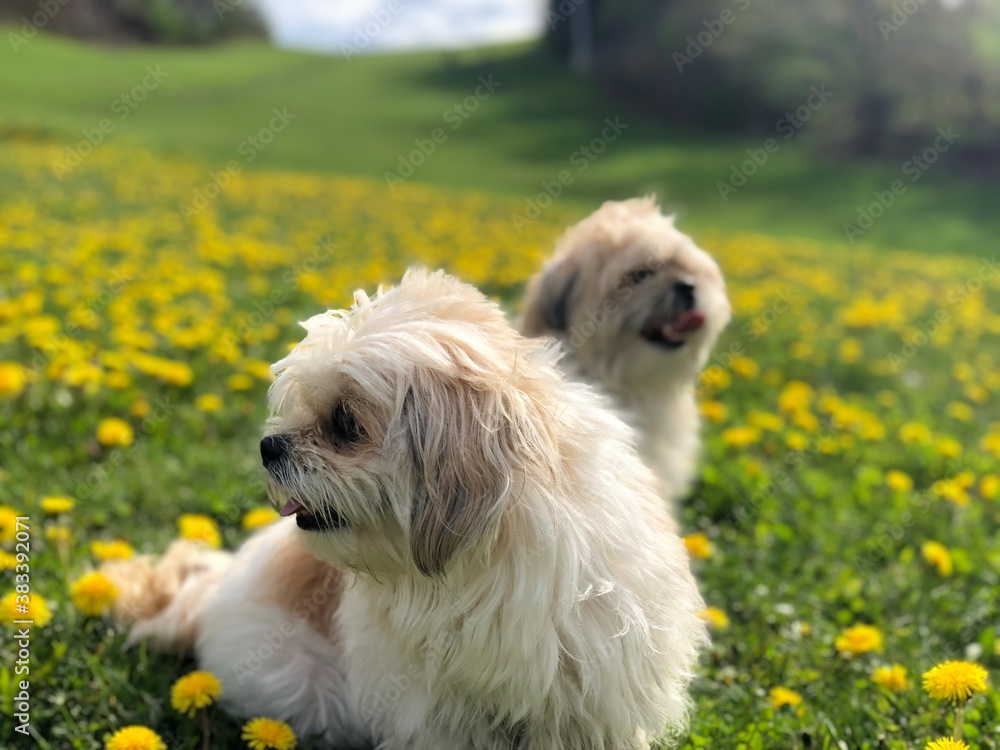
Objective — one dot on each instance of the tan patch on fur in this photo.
(304, 585)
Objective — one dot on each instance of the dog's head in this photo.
(631, 296)
(401, 428)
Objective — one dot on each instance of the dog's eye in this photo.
(639, 275)
(344, 428)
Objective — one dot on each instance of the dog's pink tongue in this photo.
(692, 320)
(290, 508)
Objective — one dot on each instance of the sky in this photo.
(372, 26)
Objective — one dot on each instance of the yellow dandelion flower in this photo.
(114, 432)
(135, 738)
(961, 411)
(698, 545)
(765, 420)
(805, 420)
(952, 490)
(891, 678)
(796, 441)
(258, 517)
(195, 691)
(781, 696)
(177, 373)
(989, 486)
(139, 408)
(915, 432)
(715, 618)
(199, 528)
(859, 639)
(955, 681)
(59, 534)
(239, 382)
(937, 555)
(93, 594)
(795, 396)
(8, 523)
(946, 743)
(948, 447)
(745, 367)
(850, 350)
(37, 609)
(116, 549)
(898, 481)
(991, 444)
(268, 734)
(208, 402)
(714, 411)
(8, 561)
(740, 437)
(11, 378)
(714, 379)
(964, 372)
(57, 504)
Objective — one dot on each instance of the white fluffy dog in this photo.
(637, 306)
(478, 559)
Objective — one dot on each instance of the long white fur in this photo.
(563, 616)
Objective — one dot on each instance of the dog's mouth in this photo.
(673, 333)
(310, 521)
(677, 317)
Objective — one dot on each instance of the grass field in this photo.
(852, 427)
(359, 117)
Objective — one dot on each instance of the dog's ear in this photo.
(464, 439)
(549, 300)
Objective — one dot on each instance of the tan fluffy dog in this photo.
(493, 566)
(637, 306)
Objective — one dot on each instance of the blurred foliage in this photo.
(151, 21)
(900, 69)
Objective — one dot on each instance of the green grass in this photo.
(359, 116)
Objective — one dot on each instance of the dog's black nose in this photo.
(685, 294)
(273, 448)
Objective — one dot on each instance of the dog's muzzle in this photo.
(668, 327)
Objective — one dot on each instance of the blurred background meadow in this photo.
(183, 180)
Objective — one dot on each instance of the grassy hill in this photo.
(361, 116)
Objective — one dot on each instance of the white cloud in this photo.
(330, 25)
